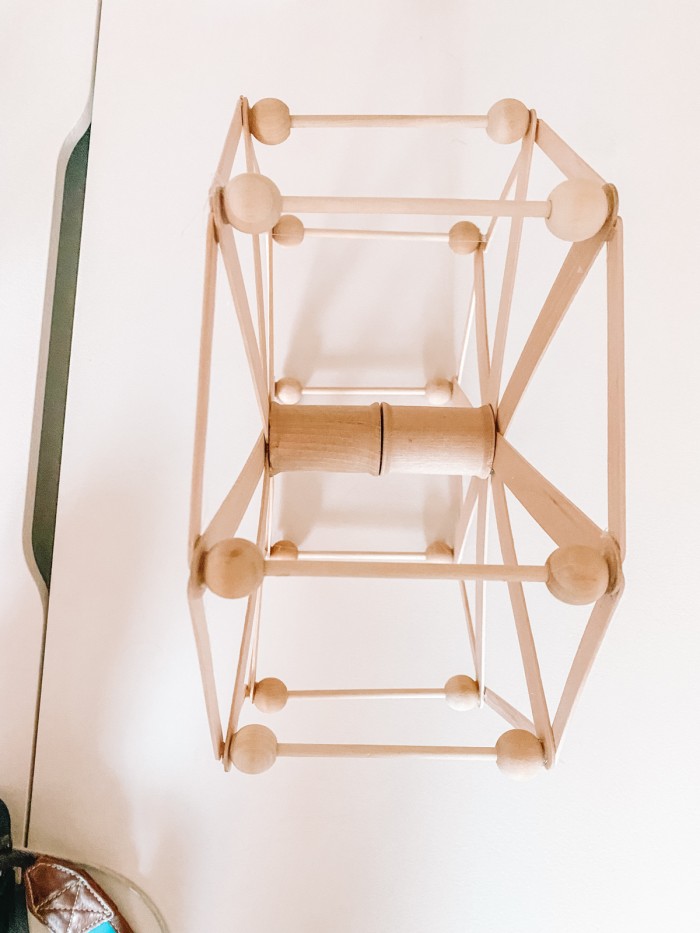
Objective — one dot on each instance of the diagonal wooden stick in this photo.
(228, 516)
(563, 156)
(223, 171)
(195, 602)
(479, 591)
(465, 518)
(616, 391)
(511, 715)
(482, 337)
(252, 166)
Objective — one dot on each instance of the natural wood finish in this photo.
(195, 603)
(371, 693)
(504, 709)
(468, 324)
(579, 209)
(449, 207)
(468, 619)
(461, 693)
(378, 556)
(288, 750)
(439, 391)
(510, 181)
(270, 318)
(507, 121)
(253, 749)
(616, 390)
(440, 552)
(252, 166)
(397, 391)
(564, 522)
(270, 121)
(223, 170)
(578, 575)
(388, 570)
(270, 695)
(528, 651)
(288, 391)
(519, 755)
(284, 550)
(482, 338)
(386, 120)
(288, 231)
(233, 568)
(452, 440)
(337, 438)
(252, 203)
(479, 589)
(338, 233)
(466, 515)
(563, 156)
(464, 237)
(228, 517)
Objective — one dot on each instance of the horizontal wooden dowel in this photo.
(391, 693)
(405, 570)
(364, 390)
(305, 121)
(376, 234)
(374, 556)
(289, 750)
(454, 207)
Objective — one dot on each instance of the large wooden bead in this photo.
(439, 552)
(519, 754)
(269, 121)
(288, 391)
(254, 749)
(288, 231)
(233, 568)
(270, 695)
(577, 574)
(579, 209)
(461, 692)
(508, 121)
(438, 391)
(284, 550)
(253, 203)
(464, 237)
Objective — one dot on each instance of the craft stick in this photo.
(528, 652)
(482, 338)
(377, 556)
(397, 570)
(479, 593)
(206, 667)
(470, 624)
(437, 206)
(563, 156)
(564, 522)
(574, 270)
(393, 693)
(616, 390)
(588, 648)
(232, 264)
(203, 386)
(334, 121)
(263, 542)
(459, 396)
(270, 319)
(252, 167)
(511, 265)
(287, 750)
(511, 715)
(364, 390)
(329, 233)
(504, 194)
(233, 137)
(467, 335)
(466, 515)
(228, 517)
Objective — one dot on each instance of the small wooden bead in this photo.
(577, 575)
(288, 391)
(438, 391)
(508, 121)
(233, 568)
(464, 238)
(461, 692)
(288, 231)
(439, 552)
(253, 203)
(270, 695)
(254, 749)
(579, 209)
(519, 754)
(269, 121)
(284, 550)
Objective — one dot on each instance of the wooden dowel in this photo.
(395, 570)
(563, 156)
(287, 750)
(330, 121)
(327, 232)
(377, 556)
(228, 516)
(438, 206)
(364, 390)
(228, 154)
(369, 694)
(616, 390)
(206, 666)
(466, 515)
(511, 715)
(479, 591)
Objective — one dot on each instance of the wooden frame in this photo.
(253, 748)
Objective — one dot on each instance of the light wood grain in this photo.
(339, 233)
(195, 603)
(379, 556)
(252, 166)
(563, 156)
(451, 207)
(223, 170)
(291, 750)
(482, 338)
(398, 391)
(228, 516)
(270, 318)
(616, 390)
(466, 515)
(370, 693)
(386, 120)
(479, 589)
(510, 181)
(404, 570)
(508, 712)
(468, 619)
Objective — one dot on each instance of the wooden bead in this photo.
(269, 121)
(288, 391)
(464, 237)
(284, 550)
(579, 209)
(252, 203)
(288, 231)
(577, 575)
(439, 552)
(438, 391)
(270, 695)
(519, 754)
(233, 568)
(461, 692)
(254, 749)
(508, 121)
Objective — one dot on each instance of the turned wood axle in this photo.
(381, 439)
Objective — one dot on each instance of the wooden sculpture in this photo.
(446, 436)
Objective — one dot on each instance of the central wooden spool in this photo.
(381, 439)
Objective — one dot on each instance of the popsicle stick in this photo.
(504, 194)
(412, 391)
(374, 120)
(468, 617)
(397, 570)
(616, 390)
(564, 522)
(289, 750)
(270, 318)
(263, 542)
(232, 264)
(528, 652)
(511, 715)
(511, 265)
(588, 648)
(223, 171)
(203, 386)
(479, 593)
(252, 166)
(563, 156)
(466, 515)
(459, 396)
(574, 270)
(392, 693)
(195, 602)
(228, 517)
(337, 233)
(437, 206)
(482, 338)
(468, 324)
